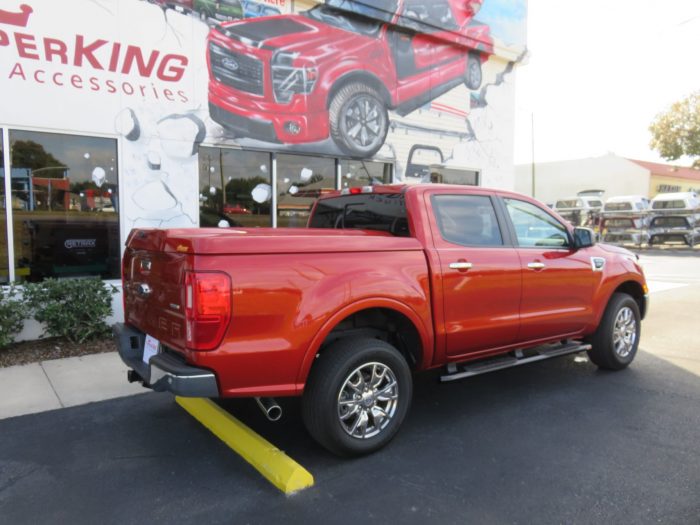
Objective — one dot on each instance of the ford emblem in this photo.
(230, 63)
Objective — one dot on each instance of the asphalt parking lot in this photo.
(551, 442)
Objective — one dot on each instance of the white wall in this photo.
(556, 180)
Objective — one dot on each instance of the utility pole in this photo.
(532, 115)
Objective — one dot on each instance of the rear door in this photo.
(480, 271)
(558, 281)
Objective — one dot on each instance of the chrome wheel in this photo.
(624, 332)
(368, 400)
(363, 123)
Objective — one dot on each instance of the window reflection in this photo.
(246, 178)
(364, 173)
(65, 201)
(300, 181)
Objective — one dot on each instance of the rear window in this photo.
(668, 205)
(575, 203)
(381, 212)
(595, 204)
(618, 206)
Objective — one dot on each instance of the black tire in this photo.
(611, 350)
(330, 380)
(359, 120)
(473, 76)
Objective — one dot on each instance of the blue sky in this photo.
(506, 18)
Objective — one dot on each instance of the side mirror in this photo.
(583, 238)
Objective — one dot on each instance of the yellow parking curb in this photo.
(280, 470)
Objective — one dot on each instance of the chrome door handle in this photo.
(536, 265)
(461, 266)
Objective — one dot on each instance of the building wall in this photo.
(116, 95)
(556, 180)
(668, 184)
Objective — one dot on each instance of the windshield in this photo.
(354, 15)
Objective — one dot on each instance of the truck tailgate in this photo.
(154, 294)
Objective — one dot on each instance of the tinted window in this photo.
(670, 222)
(469, 220)
(535, 227)
(65, 201)
(667, 205)
(301, 180)
(382, 212)
(353, 16)
(575, 203)
(364, 173)
(618, 206)
(428, 17)
(235, 187)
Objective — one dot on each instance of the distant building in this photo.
(611, 173)
(668, 179)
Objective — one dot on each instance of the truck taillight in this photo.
(207, 308)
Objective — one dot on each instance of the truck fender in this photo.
(605, 294)
(426, 333)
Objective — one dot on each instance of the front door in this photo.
(481, 273)
(558, 281)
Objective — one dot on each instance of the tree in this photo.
(676, 132)
(29, 154)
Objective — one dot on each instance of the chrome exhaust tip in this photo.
(270, 408)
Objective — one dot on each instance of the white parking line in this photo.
(662, 286)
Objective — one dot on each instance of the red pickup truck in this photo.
(335, 70)
(385, 282)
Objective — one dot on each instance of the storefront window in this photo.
(4, 253)
(65, 202)
(465, 177)
(234, 188)
(300, 181)
(364, 173)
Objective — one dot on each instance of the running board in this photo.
(460, 371)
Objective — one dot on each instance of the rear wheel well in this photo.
(384, 324)
(633, 289)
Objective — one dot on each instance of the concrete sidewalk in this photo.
(61, 383)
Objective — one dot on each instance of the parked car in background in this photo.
(222, 10)
(581, 211)
(236, 209)
(626, 204)
(675, 218)
(253, 9)
(625, 219)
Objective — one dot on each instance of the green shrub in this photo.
(13, 312)
(72, 308)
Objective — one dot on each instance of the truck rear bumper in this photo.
(164, 372)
